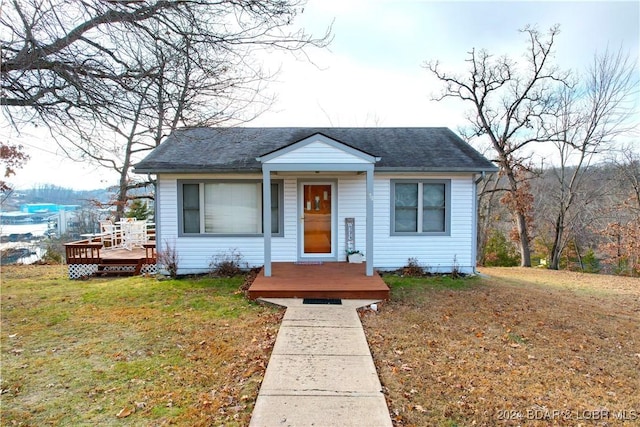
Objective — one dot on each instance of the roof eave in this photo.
(389, 169)
(193, 170)
(439, 169)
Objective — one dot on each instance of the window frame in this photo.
(202, 182)
(421, 207)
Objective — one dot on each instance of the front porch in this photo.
(318, 280)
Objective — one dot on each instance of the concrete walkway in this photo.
(321, 372)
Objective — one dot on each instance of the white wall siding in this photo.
(352, 204)
(390, 252)
(284, 249)
(196, 253)
(317, 152)
(434, 252)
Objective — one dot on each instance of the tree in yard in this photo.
(590, 114)
(509, 104)
(11, 158)
(113, 78)
(586, 207)
(621, 231)
(627, 166)
(138, 209)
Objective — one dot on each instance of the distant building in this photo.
(46, 208)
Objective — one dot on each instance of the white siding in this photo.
(390, 252)
(352, 204)
(196, 253)
(316, 152)
(435, 252)
(284, 249)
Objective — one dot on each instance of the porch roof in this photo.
(227, 150)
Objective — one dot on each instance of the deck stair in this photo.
(119, 267)
(322, 280)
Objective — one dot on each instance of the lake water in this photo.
(35, 229)
(36, 251)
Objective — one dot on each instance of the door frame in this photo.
(333, 256)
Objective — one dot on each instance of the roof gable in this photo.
(317, 149)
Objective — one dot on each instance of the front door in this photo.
(317, 219)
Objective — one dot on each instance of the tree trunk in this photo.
(525, 250)
(556, 248)
(519, 206)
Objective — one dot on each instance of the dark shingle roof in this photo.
(235, 149)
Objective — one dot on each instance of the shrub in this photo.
(455, 268)
(413, 268)
(169, 259)
(53, 252)
(228, 264)
(52, 256)
(590, 263)
(499, 252)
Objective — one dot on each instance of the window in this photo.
(191, 208)
(420, 207)
(227, 207)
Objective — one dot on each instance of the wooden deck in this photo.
(326, 280)
(89, 257)
(123, 254)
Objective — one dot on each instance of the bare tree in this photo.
(619, 224)
(578, 219)
(627, 166)
(509, 105)
(112, 78)
(590, 115)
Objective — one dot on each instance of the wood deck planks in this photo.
(327, 280)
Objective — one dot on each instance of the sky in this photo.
(373, 74)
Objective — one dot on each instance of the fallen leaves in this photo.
(457, 357)
(419, 408)
(126, 411)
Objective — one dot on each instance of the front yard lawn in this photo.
(130, 351)
(522, 346)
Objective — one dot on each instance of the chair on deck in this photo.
(110, 234)
(134, 233)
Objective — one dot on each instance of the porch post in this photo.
(369, 226)
(266, 218)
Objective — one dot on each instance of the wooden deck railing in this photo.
(87, 251)
(83, 252)
(150, 252)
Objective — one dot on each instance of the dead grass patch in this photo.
(132, 351)
(522, 346)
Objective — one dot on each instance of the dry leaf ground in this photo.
(520, 347)
(523, 347)
(129, 351)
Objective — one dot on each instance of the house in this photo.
(313, 194)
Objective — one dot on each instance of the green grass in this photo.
(412, 289)
(78, 352)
